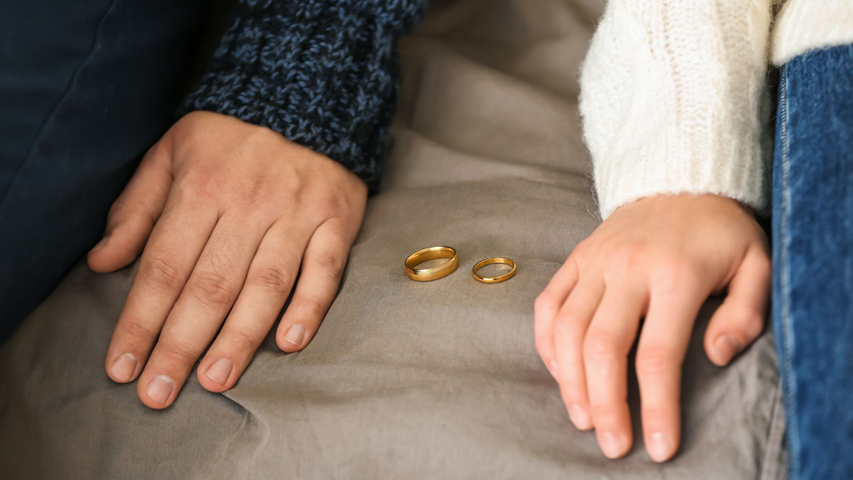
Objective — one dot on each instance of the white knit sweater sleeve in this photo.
(673, 100)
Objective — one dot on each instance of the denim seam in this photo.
(784, 281)
(51, 115)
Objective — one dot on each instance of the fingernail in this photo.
(160, 388)
(610, 445)
(220, 371)
(727, 347)
(295, 334)
(101, 244)
(579, 417)
(552, 367)
(123, 367)
(659, 447)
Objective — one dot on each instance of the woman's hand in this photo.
(658, 258)
(226, 213)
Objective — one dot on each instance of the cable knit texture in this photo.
(323, 73)
(672, 97)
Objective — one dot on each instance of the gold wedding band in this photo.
(494, 260)
(432, 273)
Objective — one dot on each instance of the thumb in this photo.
(133, 214)
(740, 319)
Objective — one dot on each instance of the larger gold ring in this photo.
(493, 260)
(432, 273)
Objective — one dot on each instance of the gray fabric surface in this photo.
(404, 379)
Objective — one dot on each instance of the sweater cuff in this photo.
(674, 101)
(733, 174)
(323, 73)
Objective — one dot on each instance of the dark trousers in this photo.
(85, 88)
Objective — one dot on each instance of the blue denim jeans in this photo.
(813, 260)
(85, 88)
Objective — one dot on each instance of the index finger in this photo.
(167, 261)
(545, 310)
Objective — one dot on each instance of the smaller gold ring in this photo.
(432, 273)
(494, 260)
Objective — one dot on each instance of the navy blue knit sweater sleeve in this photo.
(323, 73)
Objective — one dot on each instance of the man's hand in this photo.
(658, 258)
(226, 213)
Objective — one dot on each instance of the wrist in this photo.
(278, 67)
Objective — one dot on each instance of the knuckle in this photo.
(543, 344)
(544, 304)
(314, 305)
(118, 210)
(674, 273)
(161, 274)
(656, 361)
(568, 324)
(603, 411)
(598, 346)
(177, 353)
(212, 289)
(659, 414)
(581, 250)
(138, 331)
(629, 255)
(256, 195)
(354, 197)
(241, 339)
(204, 185)
(570, 387)
(275, 279)
(334, 204)
(333, 265)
